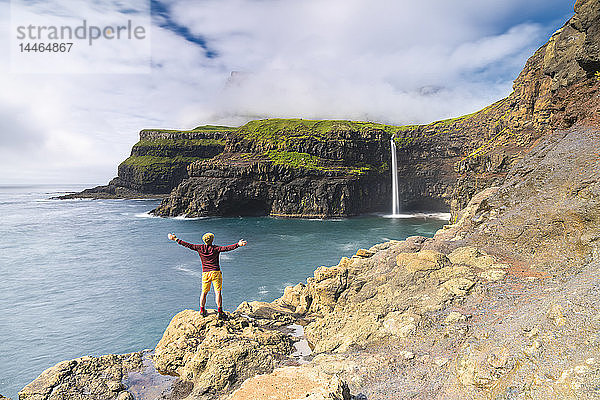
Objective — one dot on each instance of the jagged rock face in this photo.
(256, 187)
(368, 299)
(158, 163)
(547, 213)
(298, 168)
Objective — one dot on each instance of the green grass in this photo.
(307, 161)
(201, 128)
(214, 128)
(158, 162)
(296, 160)
(179, 142)
(278, 132)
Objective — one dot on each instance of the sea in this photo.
(92, 277)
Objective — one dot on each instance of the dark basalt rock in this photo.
(158, 163)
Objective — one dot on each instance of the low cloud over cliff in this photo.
(343, 59)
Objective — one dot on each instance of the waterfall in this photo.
(395, 199)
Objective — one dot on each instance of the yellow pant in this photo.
(212, 276)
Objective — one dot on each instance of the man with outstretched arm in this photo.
(211, 272)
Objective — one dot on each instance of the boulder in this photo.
(214, 354)
(457, 286)
(85, 378)
(270, 313)
(293, 383)
(472, 257)
(364, 253)
(424, 260)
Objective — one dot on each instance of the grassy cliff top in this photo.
(213, 128)
(201, 128)
(277, 130)
(174, 143)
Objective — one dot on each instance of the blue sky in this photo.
(396, 62)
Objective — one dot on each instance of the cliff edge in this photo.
(158, 162)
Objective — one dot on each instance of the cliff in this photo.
(500, 304)
(267, 164)
(158, 162)
(304, 168)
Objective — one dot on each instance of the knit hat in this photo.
(208, 238)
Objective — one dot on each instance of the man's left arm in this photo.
(234, 246)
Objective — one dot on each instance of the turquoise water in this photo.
(91, 277)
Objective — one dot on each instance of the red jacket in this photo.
(208, 254)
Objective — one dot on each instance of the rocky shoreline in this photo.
(502, 303)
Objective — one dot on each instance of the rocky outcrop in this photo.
(289, 383)
(256, 186)
(97, 378)
(217, 356)
(207, 357)
(158, 162)
(547, 213)
(363, 300)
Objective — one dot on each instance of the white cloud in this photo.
(351, 59)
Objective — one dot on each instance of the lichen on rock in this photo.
(95, 378)
(217, 355)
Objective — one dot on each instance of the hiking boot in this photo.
(223, 316)
(204, 313)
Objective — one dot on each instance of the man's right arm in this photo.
(186, 244)
(182, 242)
